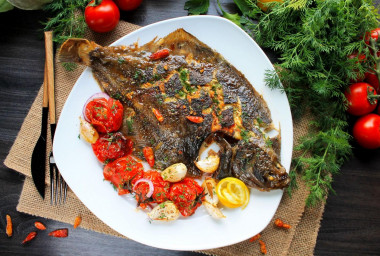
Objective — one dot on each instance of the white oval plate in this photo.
(84, 174)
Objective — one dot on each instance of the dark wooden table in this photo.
(351, 222)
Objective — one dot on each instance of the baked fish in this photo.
(178, 94)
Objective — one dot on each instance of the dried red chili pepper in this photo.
(39, 225)
(159, 54)
(149, 155)
(29, 237)
(254, 238)
(158, 115)
(263, 247)
(279, 223)
(195, 119)
(9, 228)
(77, 221)
(64, 232)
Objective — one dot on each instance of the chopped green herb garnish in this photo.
(245, 135)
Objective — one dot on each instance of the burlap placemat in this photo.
(299, 240)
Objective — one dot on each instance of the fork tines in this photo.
(58, 186)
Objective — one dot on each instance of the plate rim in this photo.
(161, 23)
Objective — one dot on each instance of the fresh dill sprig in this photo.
(67, 21)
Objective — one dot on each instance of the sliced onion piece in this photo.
(150, 183)
(95, 96)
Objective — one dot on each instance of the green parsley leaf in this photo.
(235, 18)
(196, 7)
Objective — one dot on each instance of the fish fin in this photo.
(76, 50)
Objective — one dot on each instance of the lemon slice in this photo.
(232, 193)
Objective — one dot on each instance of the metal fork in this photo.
(57, 184)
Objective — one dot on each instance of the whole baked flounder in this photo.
(183, 78)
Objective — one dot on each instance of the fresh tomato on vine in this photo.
(123, 173)
(371, 78)
(374, 34)
(106, 115)
(361, 98)
(102, 15)
(366, 131)
(111, 146)
(128, 5)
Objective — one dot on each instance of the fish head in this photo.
(258, 166)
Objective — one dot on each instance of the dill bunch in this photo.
(313, 39)
(67, 21)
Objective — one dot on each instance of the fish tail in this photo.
(76, 50)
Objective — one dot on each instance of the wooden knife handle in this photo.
(50, 73)
(45, 101)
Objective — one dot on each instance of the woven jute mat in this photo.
(299, 240)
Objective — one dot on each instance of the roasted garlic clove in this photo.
(166, 211)
(214, 211)
(174, 173)
(209, 186)
(210, 164)
(87, 131)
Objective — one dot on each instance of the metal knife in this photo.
(39, 152)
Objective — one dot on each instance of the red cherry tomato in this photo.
(111, 146)
(105, 115)
(160, 192)
(374, 34)
(371, 78)
(128, 5)
(186, 195)
(102, 15)
(361, 99)
(366, 131)
(123, 173)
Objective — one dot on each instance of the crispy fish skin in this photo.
(193, 80)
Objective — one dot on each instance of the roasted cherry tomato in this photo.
(187, 196)
(160, 189)
(111, 146)
(149, 155)
(160, 54)
(128, 5)
(366, 131)
(123, 173)
(105, 115)
(102, 15)
(362, 99)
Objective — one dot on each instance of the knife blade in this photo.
(39, 152)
